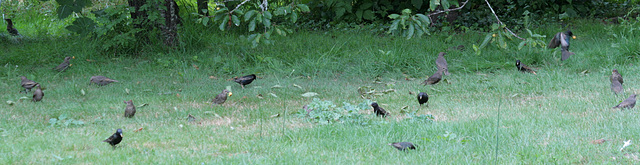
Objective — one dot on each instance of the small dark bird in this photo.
(403, 146)
(115, 138)
(562, 39)
(37, 94)
(442, 63)
(616, 87)
(379, 110)
(628, 103)
(615, 76)
(64, 65)
(27, 84)
(191, 118)
(435, 78)
(524, 68)
(423, 98)
(616, 81)
(222, 97)
(245, 80)
(130, 110)
(101, 80)
(12, 30)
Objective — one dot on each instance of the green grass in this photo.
(486, 112)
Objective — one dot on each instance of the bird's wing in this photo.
(564, 41)
(555, 42)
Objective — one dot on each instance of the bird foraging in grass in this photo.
(616, 81)
(37, 94)
(222, 97)
(115, 138)
(442, 63)
(403, 146)
(245, 80)
(423, 98)
(27, 84)
(101, 80)
(524, 68)
(130, 110)
(379, 110)
(562, 39)
(12, 30)
(64, 65)
(628, 103)
(433, 79)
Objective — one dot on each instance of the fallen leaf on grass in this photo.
(145, 104)
(139, 129)
(297, 86)
(309, 94)
(10, 102)
(599, 141)
(276, 115)
(276, 86)
(273, 94)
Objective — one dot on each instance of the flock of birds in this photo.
(561, 40)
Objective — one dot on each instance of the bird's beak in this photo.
(74, 57)
(230, 93)
(574, 37)
(121, 135)
(70, 64)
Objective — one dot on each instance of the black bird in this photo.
(37, 94)
(442, 63)
(433, 79)
(222, 97)
(12, 30)
(130, 110)
(403, 146)
(245, 80)
(64, 65)
(562, 39)
(27, 84)
(101, 80)
(115, 138)
(524, 68)
(628, 103)
(423, 98)
(191, 118)
(379, 110)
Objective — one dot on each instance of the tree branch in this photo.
(448, 10)
(245, 1)
(500, 22)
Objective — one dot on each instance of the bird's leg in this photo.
(242, 86)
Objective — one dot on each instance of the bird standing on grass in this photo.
(37, 94)
(562, 39)
(423, 98)
(245, 80)
(222, 97)
(101, 80)
(115, 138)
(130, 110)
(628, 103)
(433, 79)
(27, 84)
(524, 68)
(12, 30)
(379, 110)
(442, 63)
(403, 146)
(64, 65)
(616, 81)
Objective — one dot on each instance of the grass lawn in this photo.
(485, 112)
